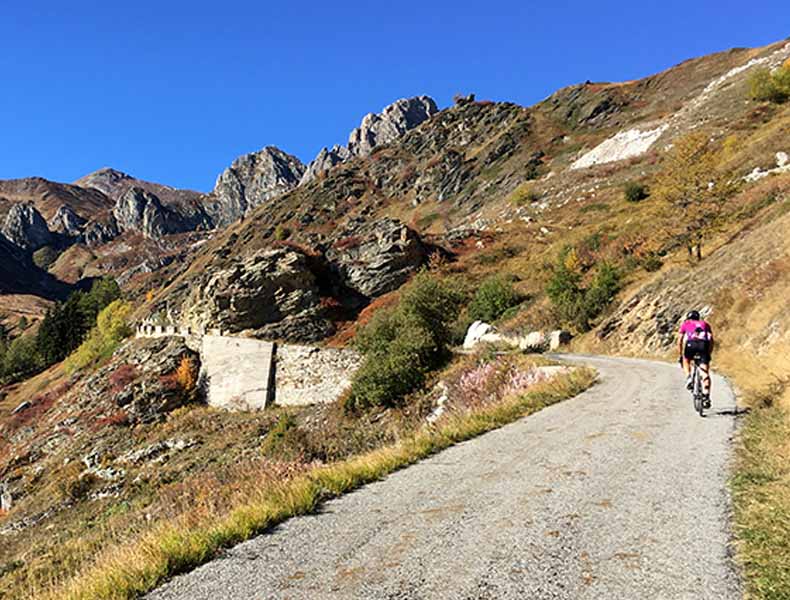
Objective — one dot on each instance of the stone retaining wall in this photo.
(237, 372)
(310, 375)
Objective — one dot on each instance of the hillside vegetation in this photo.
(608, 209)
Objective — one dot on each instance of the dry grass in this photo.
(201, 529)
(761, 494)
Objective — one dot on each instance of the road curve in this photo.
(617, 493)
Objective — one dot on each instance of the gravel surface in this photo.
(617, 493)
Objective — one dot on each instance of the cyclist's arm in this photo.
(680, 343)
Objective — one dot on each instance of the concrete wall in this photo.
(309, 375)
(237, 372)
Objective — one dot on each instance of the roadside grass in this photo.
(195, 537)
(761, 497)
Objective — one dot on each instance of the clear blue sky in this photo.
(172, 91)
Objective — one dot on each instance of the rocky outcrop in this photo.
(378, 257)
(326, 159)
(375, 130)
(395, 120)
(25, 227)
(67, 222)
(100, 231)
(139, 210)
(272, 294)
(253, 179)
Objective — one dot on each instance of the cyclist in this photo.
(695, 338)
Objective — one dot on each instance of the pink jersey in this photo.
(689, 330)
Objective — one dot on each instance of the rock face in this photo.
(326, 159)
(375, 130)
(272, 294)
(25, 227)
(395, 120)
(253, 179)
(100, 231)
(378, 257)
(139, 210)
(67, 222)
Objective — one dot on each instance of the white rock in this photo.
(625, 144)
(534, 342)
(475, 332)
(558, 338)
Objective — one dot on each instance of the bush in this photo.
(281, 232)
(112, 326)
(635, 192)
(573, 303)
(403, 344)
(765, 85)
(284, 440)
(493, 297)
(21, 358)
(44, 257)
(652, 262)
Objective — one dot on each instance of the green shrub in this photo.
(635, 192)
(493, 297)
(284, 439)
(44, 257)
(652, 262)
(21, 358)
(524, 195)
(765, 85)
(112, 326)
(281, 232)
(574, 303)
(403, 344)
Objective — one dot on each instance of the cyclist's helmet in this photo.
(693, 315)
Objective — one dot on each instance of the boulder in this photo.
(378, 257)
(273, 294)
(559, 338)
(535, 341)
(25, 227)
(253, 179)
(476, 331)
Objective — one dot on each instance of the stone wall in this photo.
(237, 372)
(310, 375)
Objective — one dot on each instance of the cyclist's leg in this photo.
(686, 366)
(706, 379)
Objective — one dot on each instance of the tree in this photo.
(695, 186)
(21, 358)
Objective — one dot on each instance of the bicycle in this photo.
(697, 389)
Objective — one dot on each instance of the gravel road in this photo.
(617, 493)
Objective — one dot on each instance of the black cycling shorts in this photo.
(699, 348)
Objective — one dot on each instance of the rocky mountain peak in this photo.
(253, 179)
(25, 227)
(376, 129)
(107, 180)
(391, 123)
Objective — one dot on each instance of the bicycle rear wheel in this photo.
(698, 393)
